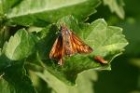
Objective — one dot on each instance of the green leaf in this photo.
(4, 35)
(20, 46)
(53, 82)
(5, 87)
(83, 81)
(14, 80)
(28, 12)
(1, 10)
(61, 87)
(116, 6)
(106, 41)
(14, 52)
(6, 5)
(0, 51)
(4, 62)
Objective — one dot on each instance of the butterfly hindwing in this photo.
(57, 50)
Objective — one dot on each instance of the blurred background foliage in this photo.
(125, 74)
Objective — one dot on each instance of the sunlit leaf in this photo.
(19, 46)
(116, 6)
(106, 41)
(14, 52)
(29, 12)
(1, 10)
(80, 87)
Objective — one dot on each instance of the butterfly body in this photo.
(67, 46)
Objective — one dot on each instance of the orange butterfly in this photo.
(67, 44)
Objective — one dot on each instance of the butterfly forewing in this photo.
(79, 45)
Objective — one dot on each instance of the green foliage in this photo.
(31, 12)
(20, 46)
(28, 30)
(84, 78)
(116, 6)
(15, 81)
(14, 52)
